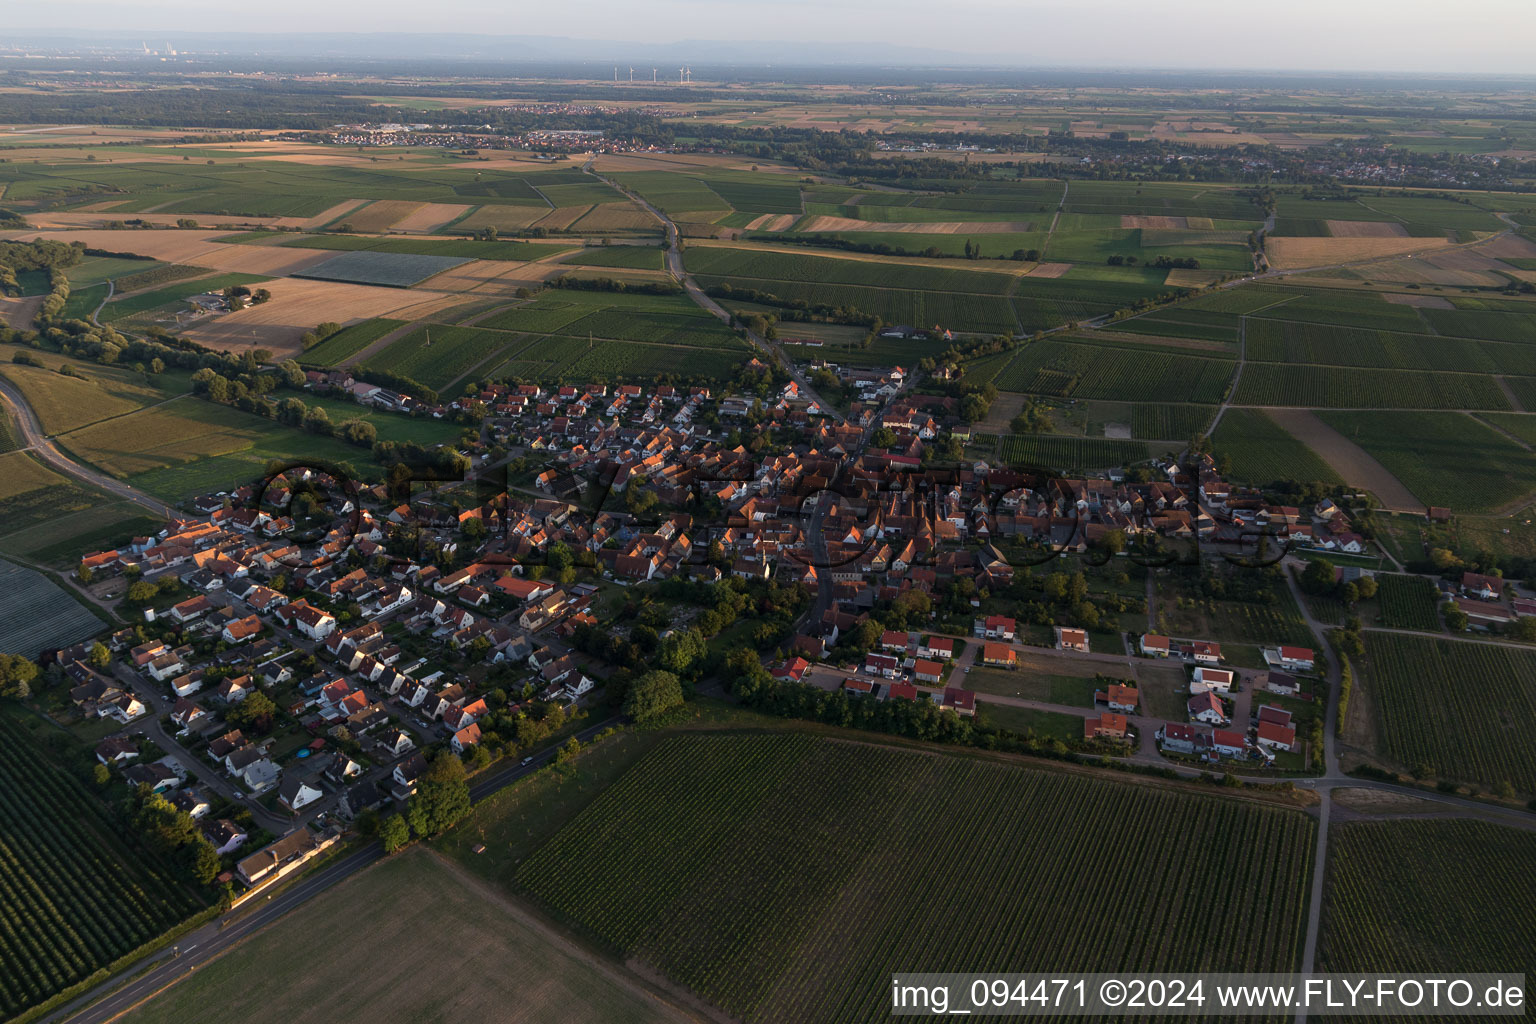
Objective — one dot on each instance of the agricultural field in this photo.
(1459, 708)
(630, 257)
(1070, 454)
(348, 342)
(1415, 895)
(1170, 422)
(1080, 368)
(1407, 602)
(732, 864)
(1279, 341)
(1326, 387)
(436, 356)
(38, 615)
(468, 947)
(172, 295)
(1444, 458)
(1262, 452)
(65, 403)
(389, 269)
(81, 892)
(460, 247)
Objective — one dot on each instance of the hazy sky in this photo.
(1492, 36)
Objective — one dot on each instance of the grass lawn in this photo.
(453, 944)
(1052, 725)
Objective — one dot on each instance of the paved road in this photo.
(34, 440)
(674, 254)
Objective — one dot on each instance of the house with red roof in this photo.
(1068, 639)
(962, 702)
(1106, 726)
(1277, 737)
(1207, 708)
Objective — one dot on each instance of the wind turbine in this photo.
(653, 76)
(680, 73)
(631, 75)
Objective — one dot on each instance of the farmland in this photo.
(493, 961)
(348, 342)
(389, 269)
(1262, 452)
(1415, 895)
(1068, 454)
(1323, 387)
(1407, 602)
(146, 301)
(456, 247)
(1083, 369)
(80, 890)
(1455, 707)
(37, 615)
(1444, 458)
(732, 863)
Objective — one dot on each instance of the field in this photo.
(1069, 454)
(459, 247)
(1328, 387)
(436, 356)
(79, 891)
(1444, 458)
(1262, 452)
(297, 305)
(348, 342)
(389, 269)
(1296, 342)
(736, 866)
(65, 403)
(1417, 895)
(1407, 602)
(37, 615)
(146, 301)
(634, 257)
(1076, 368)
(1462, 709)
(458, 944)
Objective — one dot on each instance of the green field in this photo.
(1071, 454)
(632, 257)
(129, 305)
(345, 344)
(1413, 896)
(436, 356)
(1078, 368)
(1462, 709)
(81, 891)
(1407, 602)
(1330, 387)
(737, 866)
(1262, 452)
(1444, 458)
(459, 247)
(1281, 341)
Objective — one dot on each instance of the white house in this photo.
(296, 793)
(1207, 679)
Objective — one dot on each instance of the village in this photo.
(287, 679)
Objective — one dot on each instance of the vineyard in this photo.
(1329, 387)
(437, 356)
(347, 343)
(1463, 709)
(1279, 341)
(1444, 458)
(1071, 368)
(1069, 454)
(1417, 895)
(74, 895)
(738, 867)
(1170, 422)
(1407, 602)
(1262, 452)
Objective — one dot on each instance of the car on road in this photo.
(527, 761)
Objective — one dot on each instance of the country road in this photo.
(679, 272)
(34, 440)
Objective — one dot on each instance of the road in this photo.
(103, 1004)
(675, 267)
(34, 440)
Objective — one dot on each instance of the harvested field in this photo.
(1191, 278)
(562, 218)
(1366, 229)
(463, 946)
(502, 218)
(391, 269)
(19, 313)
(168, 246)
(1514, 247)
(1155, 223)
(296, 306)
(322, 218)
(1294, 253)
(1424, 272)
(617, 217)
(429, 217)
(381, 214)
(1418, 301)
(772, 222)
(1352, 462)
(267, 260)
(1050, 270)
(821, 225)
(496, 277)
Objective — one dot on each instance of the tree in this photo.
(163, 825)
(1455, 618)
(255, 712)
(84, 574)
(1317, 577)
(653, 695)
(101, 774)
(142, 592)
(204, 862)
(680, 649)
(99, 657)
(1367, 587)
(394, 833)
(442, 796)
(17, 673)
